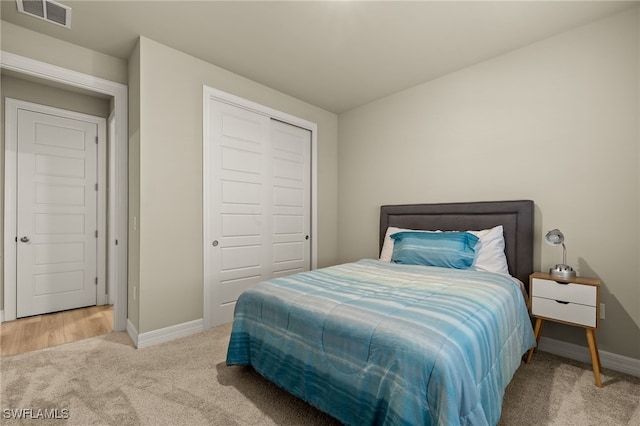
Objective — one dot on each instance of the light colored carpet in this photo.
(105, 381)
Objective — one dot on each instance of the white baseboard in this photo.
(132, 332)
(610, 360)
(166, 334)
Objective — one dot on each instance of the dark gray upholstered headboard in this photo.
(516, 217)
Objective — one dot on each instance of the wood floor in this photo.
(42, 331)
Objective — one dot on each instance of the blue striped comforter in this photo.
(372, 342)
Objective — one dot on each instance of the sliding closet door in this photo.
(291, 201)
(259, 216)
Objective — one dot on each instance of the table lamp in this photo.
(562, 270)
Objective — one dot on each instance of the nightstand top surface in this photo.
(576, 280)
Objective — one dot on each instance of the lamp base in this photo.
(562, 271)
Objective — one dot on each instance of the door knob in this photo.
(24, 239)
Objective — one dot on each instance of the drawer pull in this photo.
(563, 302)
(561, 283)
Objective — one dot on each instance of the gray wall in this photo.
(133, 304)
(170, 178)
(31, 44)
(555, 122)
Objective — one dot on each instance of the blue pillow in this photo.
(443, 249)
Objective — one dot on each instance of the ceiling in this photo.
(336, 55)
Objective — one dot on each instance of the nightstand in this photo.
(573, 301)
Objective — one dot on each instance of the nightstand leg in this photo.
(595, 345)
(595, 356)
(536, 332)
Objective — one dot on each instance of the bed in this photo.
(400, 342)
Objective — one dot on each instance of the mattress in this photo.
(372, 342)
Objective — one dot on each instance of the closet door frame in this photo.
(210, 94)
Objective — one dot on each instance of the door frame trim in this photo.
(209, 94)
(117, 212)
(11, 180)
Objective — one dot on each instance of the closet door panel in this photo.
(291, 212)
(239, 181)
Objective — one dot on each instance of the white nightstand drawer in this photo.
(575, 293)
(567, 312)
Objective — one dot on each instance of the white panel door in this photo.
(291, 202)
(259, 217)
(240, 204)
(56, 217)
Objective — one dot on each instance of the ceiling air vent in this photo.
(48, 10)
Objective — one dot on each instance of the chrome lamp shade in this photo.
(562, 270)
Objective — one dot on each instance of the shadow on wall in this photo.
(627, 329)
(537, 240)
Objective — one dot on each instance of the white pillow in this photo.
(490, 255)
(387, 245)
